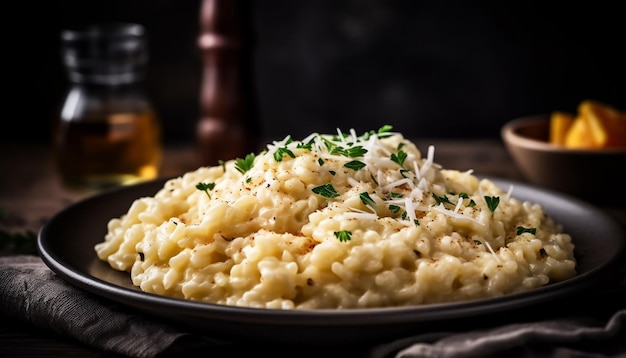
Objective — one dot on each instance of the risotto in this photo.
(336, 222)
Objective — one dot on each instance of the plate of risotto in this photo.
(342, 236)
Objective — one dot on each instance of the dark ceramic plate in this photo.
(66, 245)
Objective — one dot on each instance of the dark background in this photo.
(445, 69)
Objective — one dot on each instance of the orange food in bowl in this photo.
(560, 123)
(595, 126)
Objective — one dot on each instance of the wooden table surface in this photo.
(30, 193)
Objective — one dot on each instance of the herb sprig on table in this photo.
(18, 243)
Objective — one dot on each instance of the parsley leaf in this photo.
(280, 153)
(492, 202)
(399, 158)
(326, 190)
(343, 235)
(394, 208)
(367, 200)
(471, 203)
(245, 164)
(521, 230)
(441, 199)
(354, 165)
(205, 187)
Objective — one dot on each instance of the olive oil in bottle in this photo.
(108, 133)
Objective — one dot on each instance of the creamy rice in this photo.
(302, 229)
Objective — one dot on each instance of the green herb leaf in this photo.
(343, 235)
(471, 203)
(358, 151)
(245, 164)
(367, 200)
(18, 242)
(308, 145)
(399, 157)
(492, 202)
(354, 165)
(280, 153)
(385, 128)
(441, 199)
(521, 230)
(394, 208)
(326, 190)
(383, 132)
(205, 187)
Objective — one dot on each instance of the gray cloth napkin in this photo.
(33, 293)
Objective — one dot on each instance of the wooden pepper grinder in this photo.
(228, 127)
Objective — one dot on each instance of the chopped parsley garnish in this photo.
(521, 230)
(394, 208)
(326, 190)
(354, 165)
(441, 199)
(280, 153)
(245, 164)
(343, 235)
(308, 145)
(367, 200)
(492, 202)
(472, 203)
(382, 132)
(351, 152)
(358, 151)
(320, 161)
(399, 157)
(205, 187)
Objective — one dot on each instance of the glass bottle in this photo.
(228, 126)
(108, 133)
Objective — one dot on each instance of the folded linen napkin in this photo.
(31, 292)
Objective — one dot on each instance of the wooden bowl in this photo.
(594, 175)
